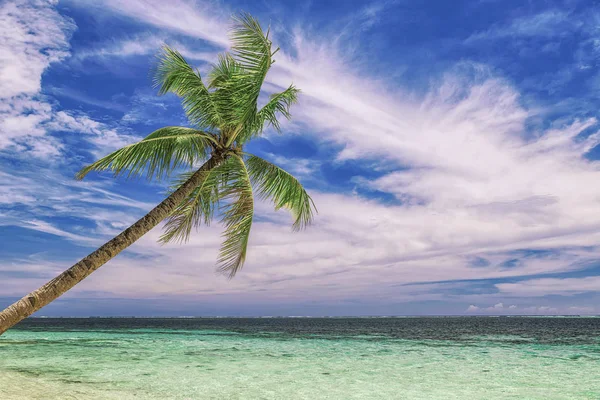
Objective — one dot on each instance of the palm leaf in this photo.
(224, 78)
(157, 155)
(279, 103)
(251, 51)
(237, 217)
(174, 74)
(251, 47)
(199, 206)
(223, 71)
(274, 183)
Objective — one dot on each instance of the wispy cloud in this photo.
(550, 23)
(475, 177)
(201, 20)
(114, 104)
(32, 199)
(471, 178)
(35, 36)
(548, 286)
(502, 309)
(147, 44)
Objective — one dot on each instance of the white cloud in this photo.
(34, 198)
(35, 36)
(147, 44)
(43, 226)
(99, 134)
(201, 20)
(499, 309)
(582, 310)
(149, 109)
(350, 252)
(301, 168)
(477, 184)
(551, 286)
(140, 45)
(549, 24)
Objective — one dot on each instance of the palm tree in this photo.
(224, 116)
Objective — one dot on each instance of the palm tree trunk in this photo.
(65, 281)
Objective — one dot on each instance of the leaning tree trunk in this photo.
(65, 281)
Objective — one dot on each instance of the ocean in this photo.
(302, 358)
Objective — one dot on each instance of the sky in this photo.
(451, 149)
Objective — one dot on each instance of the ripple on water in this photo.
(312, 359)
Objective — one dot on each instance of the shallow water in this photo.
(301, 358)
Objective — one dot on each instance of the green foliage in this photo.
(237, 217)
(223, 83)
(226, 116)
(272, 182)
(251, 47)
(156, 155)
(279, 103)
(197, 208)
(251, 55)
(174, 74)
(223, 71)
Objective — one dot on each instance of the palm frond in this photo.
(251, 50)
(251, 47)
(156, 155)
(223, 71)
(279, 103)
(237, 217)
(174, 74)
(199, 206)
(224, 78)
(278, 185)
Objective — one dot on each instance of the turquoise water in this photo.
(416, 358)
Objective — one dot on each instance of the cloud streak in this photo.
(470, 177)
(35, 36)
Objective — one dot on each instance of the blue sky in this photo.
(451, 149)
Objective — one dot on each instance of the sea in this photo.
(302, 358)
